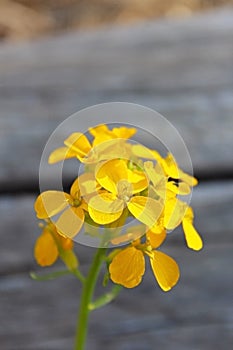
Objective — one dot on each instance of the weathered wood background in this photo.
(183, 69)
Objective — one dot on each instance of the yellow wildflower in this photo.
(121, 186)
(128, 265)
(172, 171)
(78, 146)
(71, 206)
(178, 181)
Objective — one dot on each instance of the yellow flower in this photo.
(173, 172)
(179, 184)
(121, 186)
(177, 181)
(128, 265)
(50, 245)
(78, 146)
(71, 206)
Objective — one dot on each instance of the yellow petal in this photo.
(181, 188)
(138, 180)
(127, 267)
(110, 173)
(145, 209)
(123, 132)
(144, 152)
(105, 208)
(65, 243)
(99, 129)
(78, 143)
(60, 154)
(188, 179)
(192, 237)
(50, 203)
(174, 212)
(70, 222)
(99, 140)
(165, 269)
(156, 237)
(109, 149)
(45, 251)
(172, 170)
(85, 185)
(170, 167)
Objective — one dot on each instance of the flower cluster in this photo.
(130, 192)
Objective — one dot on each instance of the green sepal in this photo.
(70, 259)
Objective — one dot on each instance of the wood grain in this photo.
(197, 313)
(183, 69)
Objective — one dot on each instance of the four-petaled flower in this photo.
(128, 265)
(71, 206)
(121, 188)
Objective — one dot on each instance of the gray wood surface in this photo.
(183, 69)
(197, 314)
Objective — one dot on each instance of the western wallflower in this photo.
(121, 187)
(173, 171)
(78, 146)
(71, 206)
(175, 210)
(121, 180)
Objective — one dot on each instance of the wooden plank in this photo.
(182, 68)
(196, 314)
(18, 225)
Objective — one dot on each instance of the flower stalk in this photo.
(86, 298)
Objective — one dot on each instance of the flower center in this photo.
(124, 189)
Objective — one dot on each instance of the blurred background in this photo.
(27, 19)
(59, 56)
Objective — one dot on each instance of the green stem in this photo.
(79, 275)
(57, 274)
(106, 298)
(49, 276)
(86, 297)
